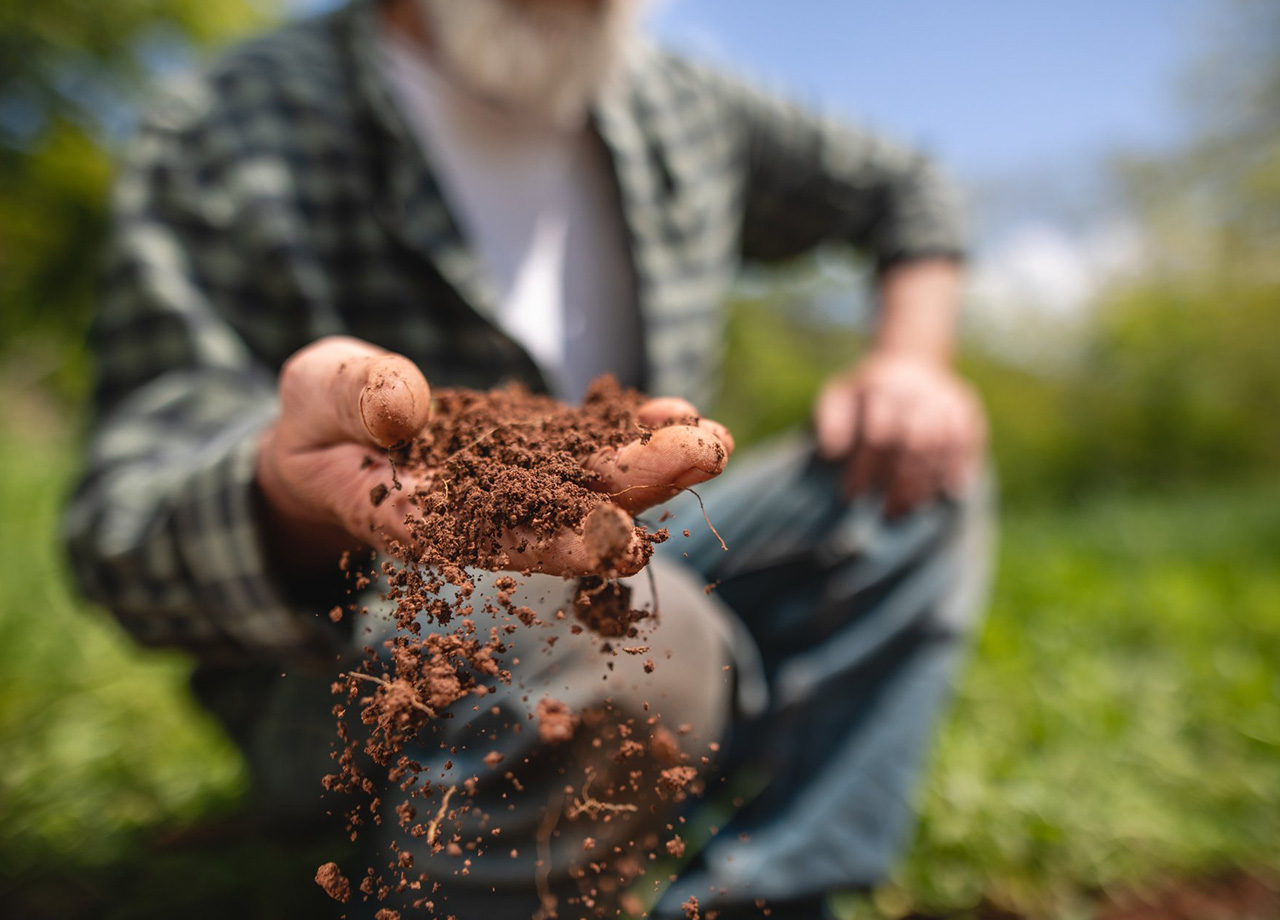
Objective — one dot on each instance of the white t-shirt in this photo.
(538, 205)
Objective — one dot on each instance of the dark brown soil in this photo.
(1228, 896)
(1235, 894)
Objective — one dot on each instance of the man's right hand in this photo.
(344, 401)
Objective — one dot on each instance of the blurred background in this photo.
(1115, 748)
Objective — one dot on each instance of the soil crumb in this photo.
(330, 878)
(556, 721)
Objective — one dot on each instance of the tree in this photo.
(70, 73)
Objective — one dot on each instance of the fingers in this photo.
(918, 470)
(608, 545)
(664, 411)
(970, 445)
(647, 472)
(836, 421)
(907, 435)
(340, 399)
(877, 426)
(345, 390)
(394, 400)
(352, 487)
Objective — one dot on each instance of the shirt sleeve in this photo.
(163, 527)
(811, 180)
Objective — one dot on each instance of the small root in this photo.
(708, 520)
(416, 703)
(588, 805)
(433, 829)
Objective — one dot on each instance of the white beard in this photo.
(548, 59)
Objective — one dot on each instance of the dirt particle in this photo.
(556, 721)
(676, 779)
(336, 885)
(664, 747)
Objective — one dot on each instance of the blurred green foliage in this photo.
(70, 71)
(100, 738)
(1122, 716)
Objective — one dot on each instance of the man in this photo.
(504, 189)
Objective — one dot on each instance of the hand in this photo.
(904, 426)
(682, 450)
(343, 401)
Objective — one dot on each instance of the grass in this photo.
(102, 741)
(1120, 720)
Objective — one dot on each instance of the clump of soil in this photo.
(502, 480)
(556, 721)
(509, 462)
(335, 884)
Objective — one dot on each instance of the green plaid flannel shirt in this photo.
(280, 197)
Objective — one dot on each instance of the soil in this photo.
(556, 721)
(335, 884)
(502, 479)
(1233, 894)
(508, 460)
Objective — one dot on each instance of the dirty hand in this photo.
(903, 426)
(343, 401)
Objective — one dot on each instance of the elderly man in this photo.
(521, 189)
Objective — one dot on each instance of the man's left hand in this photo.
(903, 426)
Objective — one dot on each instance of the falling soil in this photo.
(504, 480)
(335, 884)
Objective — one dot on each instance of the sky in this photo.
(988, 86)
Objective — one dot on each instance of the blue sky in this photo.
(988, 85)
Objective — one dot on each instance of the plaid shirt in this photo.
(280, 197)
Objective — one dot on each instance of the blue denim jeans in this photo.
(858, 624)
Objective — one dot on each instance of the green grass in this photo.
(101, 740)
(1119, 722)
(1121, 719)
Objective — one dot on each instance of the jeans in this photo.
(859, 624)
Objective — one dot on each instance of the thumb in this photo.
(341, 389)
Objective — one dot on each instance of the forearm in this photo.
(919, 305)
